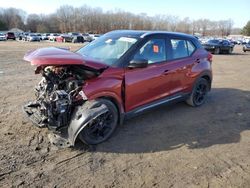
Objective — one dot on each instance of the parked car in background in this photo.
(24, 36)
(10, 35)
(33, 37)
(78, 39)
(74, 34)
(39, 35)
(94, 36)
(45, 36)
(2, 37)
(84, 95)
(64, 38)
(87, 37)
(246, 47)
(52, 37)
(218, 46)
(203, 40)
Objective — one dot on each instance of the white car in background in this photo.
(87, 37)
(94, 36)
(52, 37)
(2, 37)
(33, 37)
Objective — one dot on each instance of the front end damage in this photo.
(61, 104)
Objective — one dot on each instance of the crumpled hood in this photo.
(60, 56)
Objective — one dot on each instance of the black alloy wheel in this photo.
(100, 129)
(199, 93)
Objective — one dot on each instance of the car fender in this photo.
(82, 116)
(205, 73)
(110, 95)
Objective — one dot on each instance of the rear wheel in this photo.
(216, 50)
(102, 127)
(230, 51)
(198, 95)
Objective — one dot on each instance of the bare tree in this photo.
(95, 20)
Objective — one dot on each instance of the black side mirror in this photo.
(138, 63)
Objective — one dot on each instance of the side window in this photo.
(154, 51)
(179, 48)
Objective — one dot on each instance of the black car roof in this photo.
(142, 33)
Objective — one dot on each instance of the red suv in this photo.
(86, 94)
(10, 35)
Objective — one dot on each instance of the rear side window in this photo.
(154, 51)
(181, 48)
(191, 47)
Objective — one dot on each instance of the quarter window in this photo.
(191, 47)
(181, 48)
(154, 51)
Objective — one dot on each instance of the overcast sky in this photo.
(237, 10)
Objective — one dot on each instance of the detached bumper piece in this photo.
(31, 109)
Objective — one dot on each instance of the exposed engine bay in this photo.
(57, 94)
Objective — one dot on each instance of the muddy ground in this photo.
(174, 146)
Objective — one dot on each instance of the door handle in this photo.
(197, 61)
(165, 72)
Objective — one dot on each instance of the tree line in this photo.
(87, 19)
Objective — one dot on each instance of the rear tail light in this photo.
(210, 57)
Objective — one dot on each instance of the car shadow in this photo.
(219, 121)
(243, 53)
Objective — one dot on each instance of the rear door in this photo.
(181, 60)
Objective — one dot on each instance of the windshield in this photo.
(107, 49)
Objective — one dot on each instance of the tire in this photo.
(199, 93)
(230, 51)
(100, 129)
(216, 51)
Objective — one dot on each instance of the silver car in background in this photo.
(246, 47)
(2, 37)
(33, 37)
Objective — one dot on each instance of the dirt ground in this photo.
(174, 146)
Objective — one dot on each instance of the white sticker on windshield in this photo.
(127, 39)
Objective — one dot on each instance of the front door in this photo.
(145, 85)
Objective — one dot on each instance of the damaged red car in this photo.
(84, 95)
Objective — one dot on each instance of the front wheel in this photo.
(101, 128)
(199, 93)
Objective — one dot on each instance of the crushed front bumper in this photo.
(81, 117)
